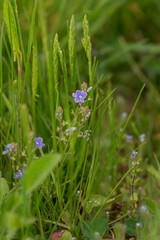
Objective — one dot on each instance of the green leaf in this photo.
(154, 172)
(99, 225)
(71, 44)
(4, 189)
(66, 236)
(6, 19)
(130, 226)
(97, 200)
(87, 230)
(11, 25)
(39, 170)
(14, 222)
(152, 205)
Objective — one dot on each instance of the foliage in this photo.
(79, 119)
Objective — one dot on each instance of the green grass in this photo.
(84, 181)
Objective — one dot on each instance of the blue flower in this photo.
(79, 96)
(143, 208)
(19, 174)
(138, 224)
(142, 137)
(16, 175)
(89, 89)
(134, 154)
(73, 129)
(69, 130)
(129, 138)
(89, 113)
(7, 148)
(39, 142)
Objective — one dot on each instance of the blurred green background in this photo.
(125, 37)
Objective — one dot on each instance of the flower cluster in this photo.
(39, 142)
(69, 130)
(10, 147)
(133, 154)
(59, 113)
(81, 115)
(19, 174)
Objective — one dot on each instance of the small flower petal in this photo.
(77, 99)
(38, 139)
(40, 145)
(83, 94)
(9, 146)
(73, 129)
(78, 93)
(81, 100)
(5, 151)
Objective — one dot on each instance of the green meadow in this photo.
(79, 120)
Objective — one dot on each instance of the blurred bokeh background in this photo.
(125, 37)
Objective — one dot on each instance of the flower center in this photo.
(80, 96)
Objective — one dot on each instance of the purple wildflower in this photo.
(7, 148)
(87, 116)
(39, 142)
(79, 96)
(19, 174)
(73, 129)
(89, 89)
(15, 175)
(69, 130)
(133, 154)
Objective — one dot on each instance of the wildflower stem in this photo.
(60, 134)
